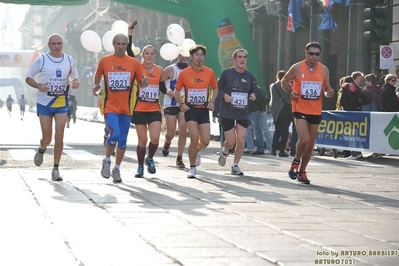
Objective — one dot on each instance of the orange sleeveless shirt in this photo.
(148, 97)
(309, 87)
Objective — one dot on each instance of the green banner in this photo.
(221, 25)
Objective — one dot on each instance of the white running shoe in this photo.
(38, 159)
(106, 169)
(235, 170)
(192, 172)
(55, 175)
(222, 158)
(198, 159)
(116, 176)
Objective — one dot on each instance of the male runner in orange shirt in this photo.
(119, 72)
(309, 79)
(196, 81)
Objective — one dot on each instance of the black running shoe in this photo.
(165, 149)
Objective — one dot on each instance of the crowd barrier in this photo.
(360, 131)
(356, 131)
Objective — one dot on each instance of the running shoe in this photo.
(165, 149)
(116, 176)
(55, 175)
(180, 164)
(294, 170)
(38, 159)
(222, 158)
(150, 165)
(192, 172)
(375, 156)
(106, 169)
(198, 159)
(303, 178)
(235, 170)
(140, 172)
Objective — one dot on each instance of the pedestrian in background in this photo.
(282, 115)
(9, 102)
(254, 129)
(352, 99)
(389, 101)
(22, 102)
(73, 105)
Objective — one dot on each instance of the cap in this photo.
(225, 21)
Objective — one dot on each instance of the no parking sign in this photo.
(386, 57)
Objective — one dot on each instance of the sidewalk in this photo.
(217, 219)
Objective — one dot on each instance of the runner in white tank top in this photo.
(172, 112)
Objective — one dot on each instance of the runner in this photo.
(119, 72)
(57, 74)
(309, 79)
(147, 115)
(196, 80)
(172, 112)
(239, 86)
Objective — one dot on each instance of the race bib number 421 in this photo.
(239, 99)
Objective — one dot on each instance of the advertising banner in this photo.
(22, 58)
(222, 26)
(360, 131)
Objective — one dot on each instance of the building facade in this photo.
(344, 49)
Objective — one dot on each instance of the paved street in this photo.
(348, 215)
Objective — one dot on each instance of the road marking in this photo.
(133, 155)
(82, 155)
(22, 154)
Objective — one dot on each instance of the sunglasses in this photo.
(393, 80)
(313, 53)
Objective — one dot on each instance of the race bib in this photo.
(119, 81)
(57, 86)
(239, 100)
(310, 90)
(197, 97)
(149, 94)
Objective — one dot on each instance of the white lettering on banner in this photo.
(310, 90)
(360, 131)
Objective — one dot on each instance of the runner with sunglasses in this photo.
(309, 79)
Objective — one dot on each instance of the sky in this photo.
(11, 17)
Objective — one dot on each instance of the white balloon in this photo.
(169, 51)
(175, 33)
(120, 26)
(186, 46)
(136, 51)
(91, 41)
(107, 41)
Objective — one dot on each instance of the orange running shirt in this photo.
(196, 85)
(147, 99)
(309, 87)
(119, 75)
